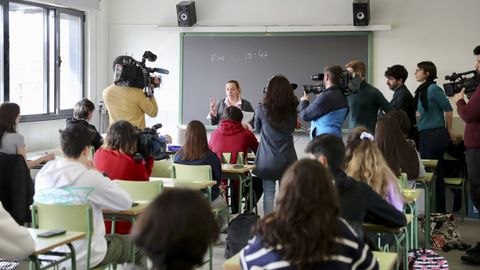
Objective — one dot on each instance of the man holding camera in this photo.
(124, 99)
(330, 107)
(470, 114)
(365, 100)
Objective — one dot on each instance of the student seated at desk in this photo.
(16, 242)
(74, 180)
(195, 151)
(82, 114)
(115, 159)
(365, 162)
(12, 142)
(359, 203)
(304, 231)
(181, 240)
(232, 137)
(399, 154)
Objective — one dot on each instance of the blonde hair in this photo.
(357, 67)
(365, 162)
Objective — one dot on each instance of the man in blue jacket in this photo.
(329, 109)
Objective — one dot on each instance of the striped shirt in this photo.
(352, 254)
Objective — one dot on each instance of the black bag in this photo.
(239, 232)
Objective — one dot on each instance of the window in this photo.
(43, 70)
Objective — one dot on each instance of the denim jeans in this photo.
(433, 143)
(268, 195)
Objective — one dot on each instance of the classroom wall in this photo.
(443, 31)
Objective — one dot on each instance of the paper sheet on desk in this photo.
(247, 116)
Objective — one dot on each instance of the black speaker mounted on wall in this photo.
(361, 12)
(186, 15)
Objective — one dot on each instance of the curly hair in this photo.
(365, 162)
(280, 102)
(305, 222)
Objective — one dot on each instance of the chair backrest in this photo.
(193, 172)
(403, 181)
(161, 168)
(78, 217)
(141, 190)
(226, 157)
(241, 158)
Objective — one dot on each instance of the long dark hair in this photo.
(399, 154)
(280, 102)
(176, 229)
(122, 136)
(305, 222)
(8, 115)
(196, 144)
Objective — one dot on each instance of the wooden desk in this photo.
(430, 163)
(429, 187)
(386, 261)
(128, 214)
(183, 183)
(243, 175)
(410, 197)
(229, 168)
(44, 245)
(399, 234)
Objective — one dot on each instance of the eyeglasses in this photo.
(418, 69)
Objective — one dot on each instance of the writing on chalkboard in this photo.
(256, 54)
(220, 58)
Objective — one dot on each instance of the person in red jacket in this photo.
(115, 160)
(232, 137)
(470, 114)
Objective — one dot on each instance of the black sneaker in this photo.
(472, 259)
(475, 250)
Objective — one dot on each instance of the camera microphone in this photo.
(159, 70)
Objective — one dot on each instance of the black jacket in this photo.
(359, 203)
(16, 187)
(97, 140)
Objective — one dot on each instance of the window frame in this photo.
(50, 89)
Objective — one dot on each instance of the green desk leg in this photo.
(427, 215)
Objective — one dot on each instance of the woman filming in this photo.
(233, 98)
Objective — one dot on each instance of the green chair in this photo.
(77, 218)
(200, 173)
(458, 183)
(141, 191)
(161, 168)
(226, 157)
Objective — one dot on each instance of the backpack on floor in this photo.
(239, 232)
(426, 259)
(444, 233)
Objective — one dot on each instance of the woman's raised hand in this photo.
(213, 107)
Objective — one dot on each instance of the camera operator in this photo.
(329, 109)
(365, 100)
(129, 103)
(470, 114)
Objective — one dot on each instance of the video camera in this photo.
(320, 87)
(150, 144)
(459, 81)
(130, 72)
